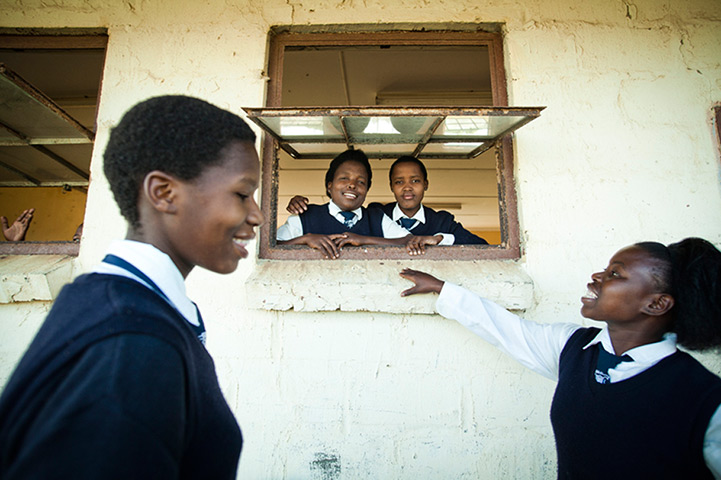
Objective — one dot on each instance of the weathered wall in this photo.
(624, 152)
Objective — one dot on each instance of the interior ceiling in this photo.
(62, 75)
(71, 79)
(359, 76)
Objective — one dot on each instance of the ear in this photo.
(327, 188)
(160, 190)
(659, 304)
(425, 185)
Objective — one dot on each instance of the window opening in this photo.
(49, 89)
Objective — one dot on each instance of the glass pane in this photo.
(38, 166)
(323, 149)
(461, 149)
(479, 127)
(26, 115)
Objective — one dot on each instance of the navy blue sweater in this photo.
(115, 385)
(649, 426)
(437, 222)
(317, 219)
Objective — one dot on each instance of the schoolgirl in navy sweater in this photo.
(409, 182)
(344, 221)
(628, 403)
(117, 384)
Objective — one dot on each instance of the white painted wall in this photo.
(625, 151)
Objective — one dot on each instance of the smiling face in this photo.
(624, 291)
(216, 213)
(349, 186)
(408, 186)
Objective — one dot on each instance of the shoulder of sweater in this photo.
(442, 214)
(112, 304)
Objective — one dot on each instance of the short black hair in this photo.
(350, 155)
(408, 159)
(690, 271)
(176, 134)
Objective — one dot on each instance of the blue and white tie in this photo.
(349, 217)
(607, 361)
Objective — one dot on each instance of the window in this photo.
(394, 69)
(50, 87)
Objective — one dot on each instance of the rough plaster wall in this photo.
(624, 152)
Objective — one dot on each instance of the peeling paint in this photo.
(325, 466)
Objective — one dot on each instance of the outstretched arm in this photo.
(16, 232)
(534, 345)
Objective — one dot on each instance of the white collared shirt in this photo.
(293, 228)
(420, 216)
(158, 267)
(538, 347)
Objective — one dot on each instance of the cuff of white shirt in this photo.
(449, 296)
(448, 238)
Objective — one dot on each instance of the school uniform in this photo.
(117, 384)
(653, 415)
(328, 219)
(432, 222)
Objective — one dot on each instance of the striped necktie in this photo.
(349, 217)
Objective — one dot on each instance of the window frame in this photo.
(508, 211)
(51, 40)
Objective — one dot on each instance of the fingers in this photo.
(343, 239)
(329, 248)
(424, 282)
(26, 216)
(297, 205)
(415, 247)
(4, 221)
(411, 291)
(409, 274)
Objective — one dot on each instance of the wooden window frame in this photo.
(510, 244)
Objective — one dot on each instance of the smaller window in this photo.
(50, 87)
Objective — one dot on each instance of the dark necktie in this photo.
(129, 267)
(349, 216)
(406, 222)
(607, 361)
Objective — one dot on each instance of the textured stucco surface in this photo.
(625, 151)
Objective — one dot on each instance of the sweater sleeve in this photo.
(534, 345)
(120, 412)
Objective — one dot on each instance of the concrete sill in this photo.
(29, 278)
(375, 286)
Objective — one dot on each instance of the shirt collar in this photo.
(335, 210)
(158, 267)
(650, 353)
(420, 214)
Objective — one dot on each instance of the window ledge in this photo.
(375, 286)
(30, 278)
